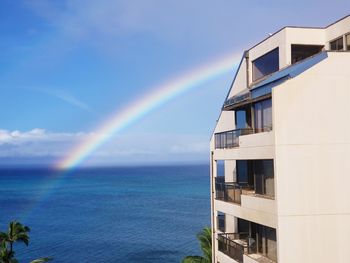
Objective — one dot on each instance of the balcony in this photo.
(254, 116)
(229, 139)
(230, 191)
(235, 245)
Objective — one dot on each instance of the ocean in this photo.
(125, 214)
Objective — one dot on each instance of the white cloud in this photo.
(42, 146)
(36, 142)
(19, 137)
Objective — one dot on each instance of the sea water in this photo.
(129, 214)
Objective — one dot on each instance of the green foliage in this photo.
(41, 260)
(204, 238)
(16, 233)
(194, 259)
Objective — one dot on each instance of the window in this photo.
(217, 141)
(242, 171)
(266, 64)
(336, 44)
(266, 241)
(263, 116)
(257, 175)
(220, 168)
(223, 140)
(245, 174)
(262, 239)
(242, 225)
(264, 177)
(243, 118)
(347, 38)
(221, 221)
(300, 52)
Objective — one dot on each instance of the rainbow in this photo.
(130, 114)
(139, 108)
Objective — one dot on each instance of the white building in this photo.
(280, 152)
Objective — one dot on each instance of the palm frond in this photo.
(18, 233)
(204, 238)
(194, 259)
(41, 260)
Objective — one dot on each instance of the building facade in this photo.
(280, 151)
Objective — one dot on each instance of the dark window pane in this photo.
(260, 239)
(217, 141)
(333, 45)
(221, 221)
(267, 115)
(266, 64)
(263, 115)
(300, 52)
(337, 44)
(223, 140)
(229, 139)
(220, 168)
(259, 185)
(269, 180)
(258, 116)
(264, 177)
(243, 225)
(271, 243)
(242, 171)
(241, 119)
(340, 44)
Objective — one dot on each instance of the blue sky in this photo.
(66, 65)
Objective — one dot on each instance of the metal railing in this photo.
(265, 128)
(229, 139)
(235, 245)
(230, 192)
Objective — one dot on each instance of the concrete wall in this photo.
(226, 122)
(240, 83)
(256, 203)
(336, 30)
(312, 152)
(261, 217)
(230, 171)
(231, 223)
(246, 153)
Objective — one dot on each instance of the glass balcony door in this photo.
(263, 116)
(262, 239)
(264, 177)
(257, 175)
(243, 118)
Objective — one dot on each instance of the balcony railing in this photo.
(265, 128)
(235, 245)
(230, 192)
(229, 139)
